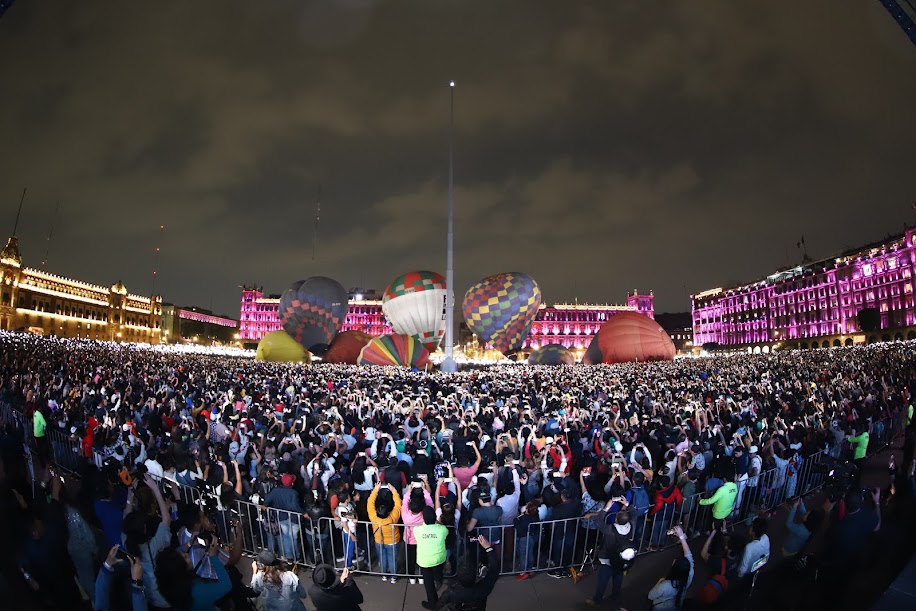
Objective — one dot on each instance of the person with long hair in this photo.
(668, 594)
(412, 515)
(280, 588)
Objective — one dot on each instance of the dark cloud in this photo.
(600, 146)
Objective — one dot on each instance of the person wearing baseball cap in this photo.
(328, 593)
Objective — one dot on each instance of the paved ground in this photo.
(545, 593)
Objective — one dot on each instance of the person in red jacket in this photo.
(668, 501)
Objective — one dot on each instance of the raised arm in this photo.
(163, 509)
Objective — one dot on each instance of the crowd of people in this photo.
(187, 460)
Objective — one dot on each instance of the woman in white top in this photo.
(365, 473)
(668, 594)
(509, 500)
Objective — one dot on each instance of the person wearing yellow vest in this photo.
(431, 554)
(384, 513)
(909, 414)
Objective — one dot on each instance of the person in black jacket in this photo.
(616, 552)
(470, 594)
(331, 594)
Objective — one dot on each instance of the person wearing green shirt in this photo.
(39, 425)
(431, 553)
(861, 444)
(909, 414)
(39, 428)
(723, 500)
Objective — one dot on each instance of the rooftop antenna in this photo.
(21, 199)
(156, 262)
(317, 217)
(50, 235)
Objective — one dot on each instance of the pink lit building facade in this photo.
(816, 304)
(574, 325)
(259, 314)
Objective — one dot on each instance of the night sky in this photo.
(600, 146)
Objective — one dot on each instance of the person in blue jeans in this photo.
(526, 541)
(615, 554)
(285, 500)
(667, 501)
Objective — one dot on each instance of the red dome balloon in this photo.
(346, 347)
(628, 337)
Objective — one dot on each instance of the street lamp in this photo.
(448, 364)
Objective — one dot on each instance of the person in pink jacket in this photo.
(412, 506)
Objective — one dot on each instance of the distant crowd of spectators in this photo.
(186, 459)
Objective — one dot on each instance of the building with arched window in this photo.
(46, 304)
(819, 304)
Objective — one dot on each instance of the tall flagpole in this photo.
(449, 365)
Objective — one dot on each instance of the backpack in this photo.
(714, 587)
(641, 502)
(616, 545)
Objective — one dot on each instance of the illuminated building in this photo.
(259, 314)
(42, 303)
(816, 305)
(678, 326)
(192, 324)
(573, 325)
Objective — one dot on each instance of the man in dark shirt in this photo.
(564, 531)
(286, 501)
(470, 594)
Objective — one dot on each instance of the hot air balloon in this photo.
(552, 354)
(346, 346)
(629, 336)
(501, 308)
(592, 355)
(279, 347)
(395, 349)
(312, 310)
(415, 305)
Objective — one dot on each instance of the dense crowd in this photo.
(185, 460)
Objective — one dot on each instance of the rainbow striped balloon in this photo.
(395, 350)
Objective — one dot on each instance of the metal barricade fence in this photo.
(546, 545)
(66, 450)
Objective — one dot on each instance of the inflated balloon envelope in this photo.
(414, 304)
(628, 337)
(501, 308)
(312, 310)
(346, 347)
(395, 350)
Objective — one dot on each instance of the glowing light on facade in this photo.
(817, 300)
